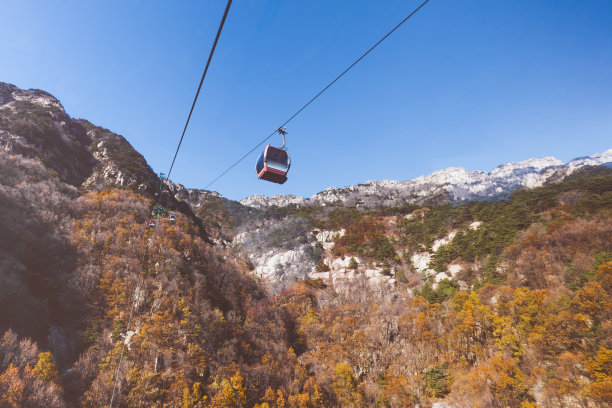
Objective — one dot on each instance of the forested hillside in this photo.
(531, 326)
(505, 303)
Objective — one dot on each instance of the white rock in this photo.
(128, 338)
(240, 238)
(420, 261)
(443, 241)
(339, 263)
(326, 238)
(260, 201)
(371, 273)
(454, 269)
(475, 225)
(440, 276)
(320, 275)
(276, 264)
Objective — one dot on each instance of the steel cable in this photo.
(212, 51)
(117, 372)
(319, 94)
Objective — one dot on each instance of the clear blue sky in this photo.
(469, 83)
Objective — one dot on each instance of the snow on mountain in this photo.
(593, 160)
(451, 184)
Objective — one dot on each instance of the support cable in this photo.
(317, 95)
(212, 51)
(117, 372)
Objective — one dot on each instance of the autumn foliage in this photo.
(195, 329)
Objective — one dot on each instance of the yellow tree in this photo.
(225, 397)
(194, 398)
(45, 368)
(345, 386)
(599, 369)
(11, 388)
(603, 275)
(268, 400)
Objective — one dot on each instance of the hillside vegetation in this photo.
(505, 303)
(532, 327)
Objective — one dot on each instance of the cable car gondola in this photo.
(274, 162)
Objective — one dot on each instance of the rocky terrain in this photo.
(33, 123)
(452, 185)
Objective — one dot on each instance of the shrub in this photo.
(118, 328)
(444, 291)
(437, 380)
(400, 275)
(322, 266)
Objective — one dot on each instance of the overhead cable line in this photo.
(212, 51)
(317, 95)
(138, 283)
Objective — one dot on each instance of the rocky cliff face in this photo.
(33, 123)
(117, 162)
(451, 184)
(194, 197)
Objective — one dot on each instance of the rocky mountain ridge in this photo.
(33, 123)
(447, 185)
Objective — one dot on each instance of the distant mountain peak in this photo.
(449, 184)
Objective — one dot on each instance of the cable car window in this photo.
(259, 166)
(277, 159)
(277, 155)
(276, 165)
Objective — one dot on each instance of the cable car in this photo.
(274, 162)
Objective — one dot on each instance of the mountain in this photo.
(449, 185)
(448, 303)
(33, 123)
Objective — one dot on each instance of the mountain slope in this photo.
(502, 304)
(33, 123)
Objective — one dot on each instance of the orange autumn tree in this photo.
(599, 369)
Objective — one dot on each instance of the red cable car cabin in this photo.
(273, 164)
